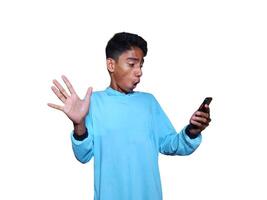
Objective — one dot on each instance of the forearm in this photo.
(82, 142)
(83, 149)
(179, 144)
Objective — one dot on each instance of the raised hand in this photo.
(75, 108)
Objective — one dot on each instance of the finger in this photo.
(67, 82)
(207, 108)
(55, 106)
(202, 120)
(197, 124)
(88, 94)
(59, 94)
(60, 88)
(202, 114)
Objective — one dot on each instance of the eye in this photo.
(131, 64)
(141, 64)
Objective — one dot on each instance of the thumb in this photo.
(88, 94)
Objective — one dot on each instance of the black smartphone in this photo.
(207, 101)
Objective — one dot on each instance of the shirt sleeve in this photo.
(170, 142)
(84, 149)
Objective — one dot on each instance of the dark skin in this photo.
(125, 73)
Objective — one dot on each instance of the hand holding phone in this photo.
(202, 108)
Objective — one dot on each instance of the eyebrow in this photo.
(135, 59)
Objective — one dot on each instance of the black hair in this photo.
(122, 42)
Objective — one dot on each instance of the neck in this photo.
(115, 86)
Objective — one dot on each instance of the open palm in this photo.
(75, 108)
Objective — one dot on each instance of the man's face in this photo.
(126, 71)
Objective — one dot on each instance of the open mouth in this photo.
(135, 83)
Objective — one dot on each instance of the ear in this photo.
(110, 64)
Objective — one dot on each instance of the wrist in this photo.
(80, 128)
(191, 132)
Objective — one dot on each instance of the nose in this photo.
(138, 71)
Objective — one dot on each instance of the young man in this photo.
(125, 130)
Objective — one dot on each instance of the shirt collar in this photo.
(110, 91)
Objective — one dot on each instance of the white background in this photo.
(196, 49)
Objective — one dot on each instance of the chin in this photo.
(130, 90)
(127, 90)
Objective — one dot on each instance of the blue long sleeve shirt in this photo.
(126, 134)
